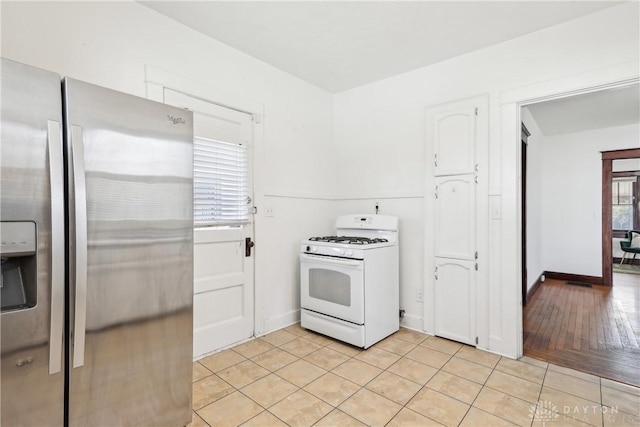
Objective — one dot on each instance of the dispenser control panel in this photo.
(17, 238)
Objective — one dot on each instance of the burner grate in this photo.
(351, 240)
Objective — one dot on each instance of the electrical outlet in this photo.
(419, 295)
(268, 212)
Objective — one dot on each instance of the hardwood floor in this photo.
(594, 330)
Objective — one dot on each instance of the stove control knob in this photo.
(312, 249)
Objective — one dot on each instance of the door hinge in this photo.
(254, 210)
(476, 179)
(476, 111)
(436, 193)
(476, 340)
(435, 274)
(435, 159)
(476, 255)
(476, 266)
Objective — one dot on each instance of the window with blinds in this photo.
(220, 184)
(624, 205)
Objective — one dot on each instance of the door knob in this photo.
(248, 244)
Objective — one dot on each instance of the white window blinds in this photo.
(221, 184)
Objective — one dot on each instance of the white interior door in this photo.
(223, 267)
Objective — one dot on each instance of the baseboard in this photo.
(532, 290)
(593, 280)
(412, 322)
(627, 261)
(281, 321)
(218, 350)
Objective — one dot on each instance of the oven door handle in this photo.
(331, 260)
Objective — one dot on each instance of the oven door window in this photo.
(331, 286)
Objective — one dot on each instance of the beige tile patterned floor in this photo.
(294, 377)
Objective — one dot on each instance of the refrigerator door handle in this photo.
(56, 174)
(80, 202)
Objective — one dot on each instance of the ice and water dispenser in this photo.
(18, 285)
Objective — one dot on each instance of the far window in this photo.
(625, 215)
(221, 184)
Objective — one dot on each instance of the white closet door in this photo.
(457, 144)
(455, 217)
(455, 300)
(455, 141)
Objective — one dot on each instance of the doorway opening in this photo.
(567, 234)
(524, 137)
(621, 217)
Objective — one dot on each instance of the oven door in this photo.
(333, 286)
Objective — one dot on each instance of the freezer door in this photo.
(130, 169)
(32, 251)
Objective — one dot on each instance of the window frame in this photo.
(215, 221)
(617, 233)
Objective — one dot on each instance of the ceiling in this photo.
(595, 110)
(338, 45)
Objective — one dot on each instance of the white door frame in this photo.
(155, 81)
(509, 341)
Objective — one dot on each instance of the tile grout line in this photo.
(537, 404)
(484, 384)
(298, 388)
(474, 399)
(330, 371)
(416, 393)
(326, 345)
(601, 401)
(415, 345)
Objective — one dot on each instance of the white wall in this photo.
(535, 160)
(111, 43)
(571, 179)
(381, 125)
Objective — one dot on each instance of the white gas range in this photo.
(349, 284)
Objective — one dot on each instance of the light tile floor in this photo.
(296, 377)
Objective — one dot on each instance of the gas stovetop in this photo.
(350, 240)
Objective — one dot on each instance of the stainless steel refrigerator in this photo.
(97, 255)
